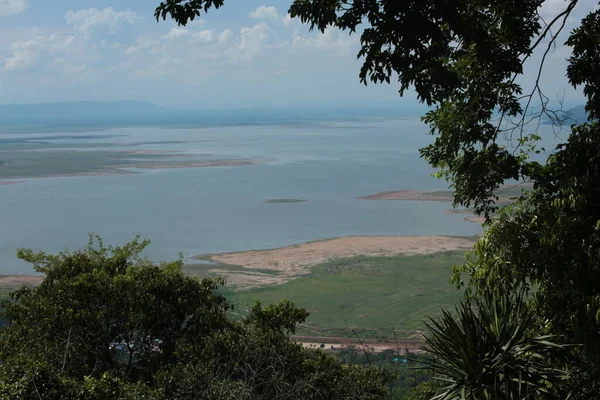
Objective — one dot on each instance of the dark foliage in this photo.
(464, 58)
(108, 324)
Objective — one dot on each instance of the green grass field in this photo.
(367, 292)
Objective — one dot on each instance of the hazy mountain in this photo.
(78, 113)
(577, 114)
(142, 113)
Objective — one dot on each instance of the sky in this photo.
(247, 54)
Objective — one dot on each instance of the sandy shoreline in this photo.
(10, 182)
(287, 263)
(505, 194)
(412, 195)
(256, 268)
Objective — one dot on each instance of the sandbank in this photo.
(284, 201)
(257, 268)
(505, 194)
(415, 195)
(287, 263)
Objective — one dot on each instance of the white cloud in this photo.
(331, 40)
(205, 36)
(192, 56)
(287, 19)
(225, 35)
(86, 21)
(147, 44)
(26, 53)
(200, 63)
(177, 33)
(132, 50)
(264, 12)
(253, 39)
(20, 60)
(173, 57)
(11, 7)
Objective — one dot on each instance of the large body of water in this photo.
(216, 209)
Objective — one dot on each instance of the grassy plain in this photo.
(369, 294)
(366, 292)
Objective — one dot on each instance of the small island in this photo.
(282, 201)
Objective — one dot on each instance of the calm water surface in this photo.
(216, 209)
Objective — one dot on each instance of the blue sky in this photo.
(247, 54)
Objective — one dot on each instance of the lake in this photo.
(217, 209)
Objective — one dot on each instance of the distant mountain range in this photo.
(78, 113)
(142, 113)
(577, 114)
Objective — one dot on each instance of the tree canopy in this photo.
(108, 324)
(464, 58)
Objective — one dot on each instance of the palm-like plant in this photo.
(492, 350)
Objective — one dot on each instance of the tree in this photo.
(105, 300)
(463, 58)
(107, 323)
(426, 390)
(491, 350)
(551, 240)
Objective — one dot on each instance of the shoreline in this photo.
(275, 266)
(505, 194)
(469, 215)
(411, 195)
(255, 268)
